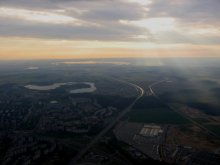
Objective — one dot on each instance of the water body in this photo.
(91, 89)
(32, 68)
(94, 62)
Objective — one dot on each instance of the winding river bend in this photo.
(90, 89)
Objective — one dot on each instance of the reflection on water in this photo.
(94, 62)
(32, 68)
(91, 89)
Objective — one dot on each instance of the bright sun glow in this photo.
(205, 31)
(142, 2)
(154, 25)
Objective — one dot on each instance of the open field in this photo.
(189, 135)
(151, 110)
(156, 115)
(214, 128)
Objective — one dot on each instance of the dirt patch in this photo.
(192, 136)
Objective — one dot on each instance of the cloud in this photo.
(14, 27)
(38, 16)
(188, 11)
(160, 21)
(114, 11)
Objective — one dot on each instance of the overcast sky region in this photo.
(42, 29)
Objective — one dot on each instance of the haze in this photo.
(109, 82)
(55, 29)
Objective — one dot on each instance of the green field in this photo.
(156, 115)
(214, 128)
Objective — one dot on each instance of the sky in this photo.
(58, 29)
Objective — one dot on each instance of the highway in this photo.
(110, 126)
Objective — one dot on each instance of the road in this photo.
(28, 114)
(109, 127)
(180, 113)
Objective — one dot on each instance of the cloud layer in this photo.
(156, 21)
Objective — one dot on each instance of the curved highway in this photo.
(109, 127)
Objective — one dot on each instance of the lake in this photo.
(90, 89)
